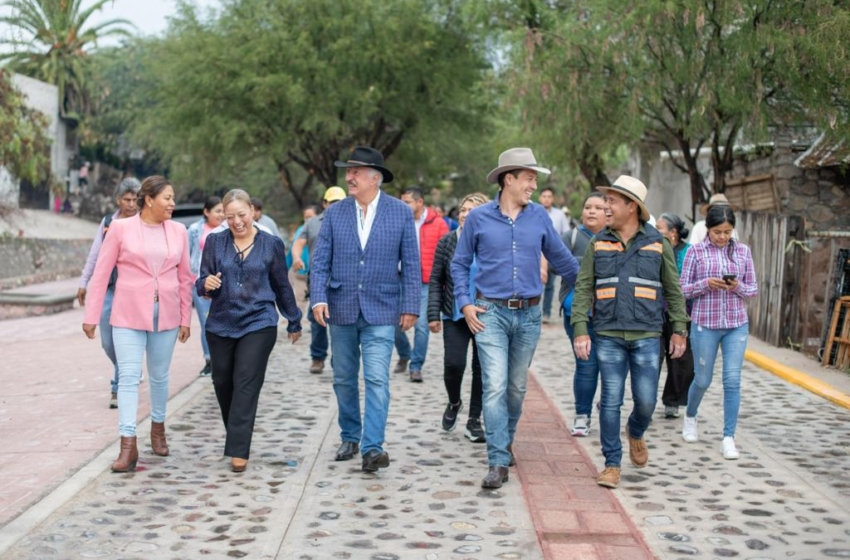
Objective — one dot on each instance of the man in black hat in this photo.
(365, 280)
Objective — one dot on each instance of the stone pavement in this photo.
(786, 497)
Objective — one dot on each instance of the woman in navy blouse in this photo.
(243, 272)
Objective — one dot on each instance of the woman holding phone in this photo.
(718, 275)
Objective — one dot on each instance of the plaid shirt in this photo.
(718, 309)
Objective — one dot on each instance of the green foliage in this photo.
(50, 42)
(24, 145)
(300, 82)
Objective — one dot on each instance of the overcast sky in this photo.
(149, 16)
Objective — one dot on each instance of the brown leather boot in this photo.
(126, 461)
(158, 443)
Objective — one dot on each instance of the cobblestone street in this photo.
(787, 496)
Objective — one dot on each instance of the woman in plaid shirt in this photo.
(717, 276)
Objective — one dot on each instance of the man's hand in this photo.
(434, 326)
(470, 313)
(407, 321)
(582, 346)
(81, 296)
(183, 335)
(678, 345)
(89, 330)
(321, 315)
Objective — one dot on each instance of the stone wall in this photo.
(822, 198)
(29, 261)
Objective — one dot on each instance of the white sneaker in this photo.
(581, 426)
(689, 429)
(730, 452)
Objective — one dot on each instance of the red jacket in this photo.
(430, 233)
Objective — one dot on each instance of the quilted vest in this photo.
(628, 294)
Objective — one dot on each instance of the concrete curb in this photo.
(799, 378)
(22, 525)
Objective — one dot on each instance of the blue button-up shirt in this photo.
(508, 253)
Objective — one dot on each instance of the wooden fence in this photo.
(773, 313)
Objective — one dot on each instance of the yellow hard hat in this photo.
(333, 194)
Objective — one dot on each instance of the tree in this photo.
(50, 42)
(684, 75)
(303, 81)
(24, 144)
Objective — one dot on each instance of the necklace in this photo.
(242, 253)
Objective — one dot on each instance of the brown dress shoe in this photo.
(495, 477)
(318, 366)
(158, 443)
(416, 376)
(238, 465)
(128, 457)
(638, 453)
(401, 366)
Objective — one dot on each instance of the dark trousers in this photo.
(456, 339)
(318, 338)
(238, 372)
(680, 372)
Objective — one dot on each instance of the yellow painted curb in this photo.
(799, 378)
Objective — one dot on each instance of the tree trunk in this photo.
(592, 168)
(722, 163)
(286, 184)
(699, 190)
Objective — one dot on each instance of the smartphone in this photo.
(729, 277)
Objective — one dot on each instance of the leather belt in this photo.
(513, 303)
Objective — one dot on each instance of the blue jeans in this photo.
(106, 335)
(318, 338)
(705, 343)
(616, 357)
(130, 346)
(376, 344)
(586, 376)
(202, 306)
(505, 349)
(420, 336)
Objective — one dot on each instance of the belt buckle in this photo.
(515, 304)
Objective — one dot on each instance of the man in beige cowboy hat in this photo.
(699, 231)
(506, 237)
(626, 275)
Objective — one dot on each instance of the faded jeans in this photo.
(421, 334)
(505, 348)
(130, 346)
(375, 342)
(617, 357)
(705, 343)
(106, 335)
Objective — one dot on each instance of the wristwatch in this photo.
(681, 333)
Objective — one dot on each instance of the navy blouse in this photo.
(250, 288)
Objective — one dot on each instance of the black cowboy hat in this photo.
(364, 156)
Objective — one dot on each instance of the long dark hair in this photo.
(717, 216)
(209, 204)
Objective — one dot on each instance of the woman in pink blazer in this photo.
(151, 309)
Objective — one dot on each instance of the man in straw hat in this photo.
(699, 231)
(626, 276)
(365, 280)
(506, 237)
(308, 236)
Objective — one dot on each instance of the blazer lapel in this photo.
(376, 224)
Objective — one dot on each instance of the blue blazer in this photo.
(381, 282)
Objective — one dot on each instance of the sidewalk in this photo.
(787, 495)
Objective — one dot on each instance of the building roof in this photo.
(826, 151)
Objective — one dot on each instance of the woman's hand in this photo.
(294, 336)
(183, 335)
(434, 326)
(212, 283)
(89, 330)
(718, 284)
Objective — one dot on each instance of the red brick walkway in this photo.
(574, 517)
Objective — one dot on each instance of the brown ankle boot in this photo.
(160, 446)
(126, 461)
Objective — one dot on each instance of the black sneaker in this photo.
(450, 415)
(474, 432)
(207, 369)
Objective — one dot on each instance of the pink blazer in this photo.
(132, 306)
